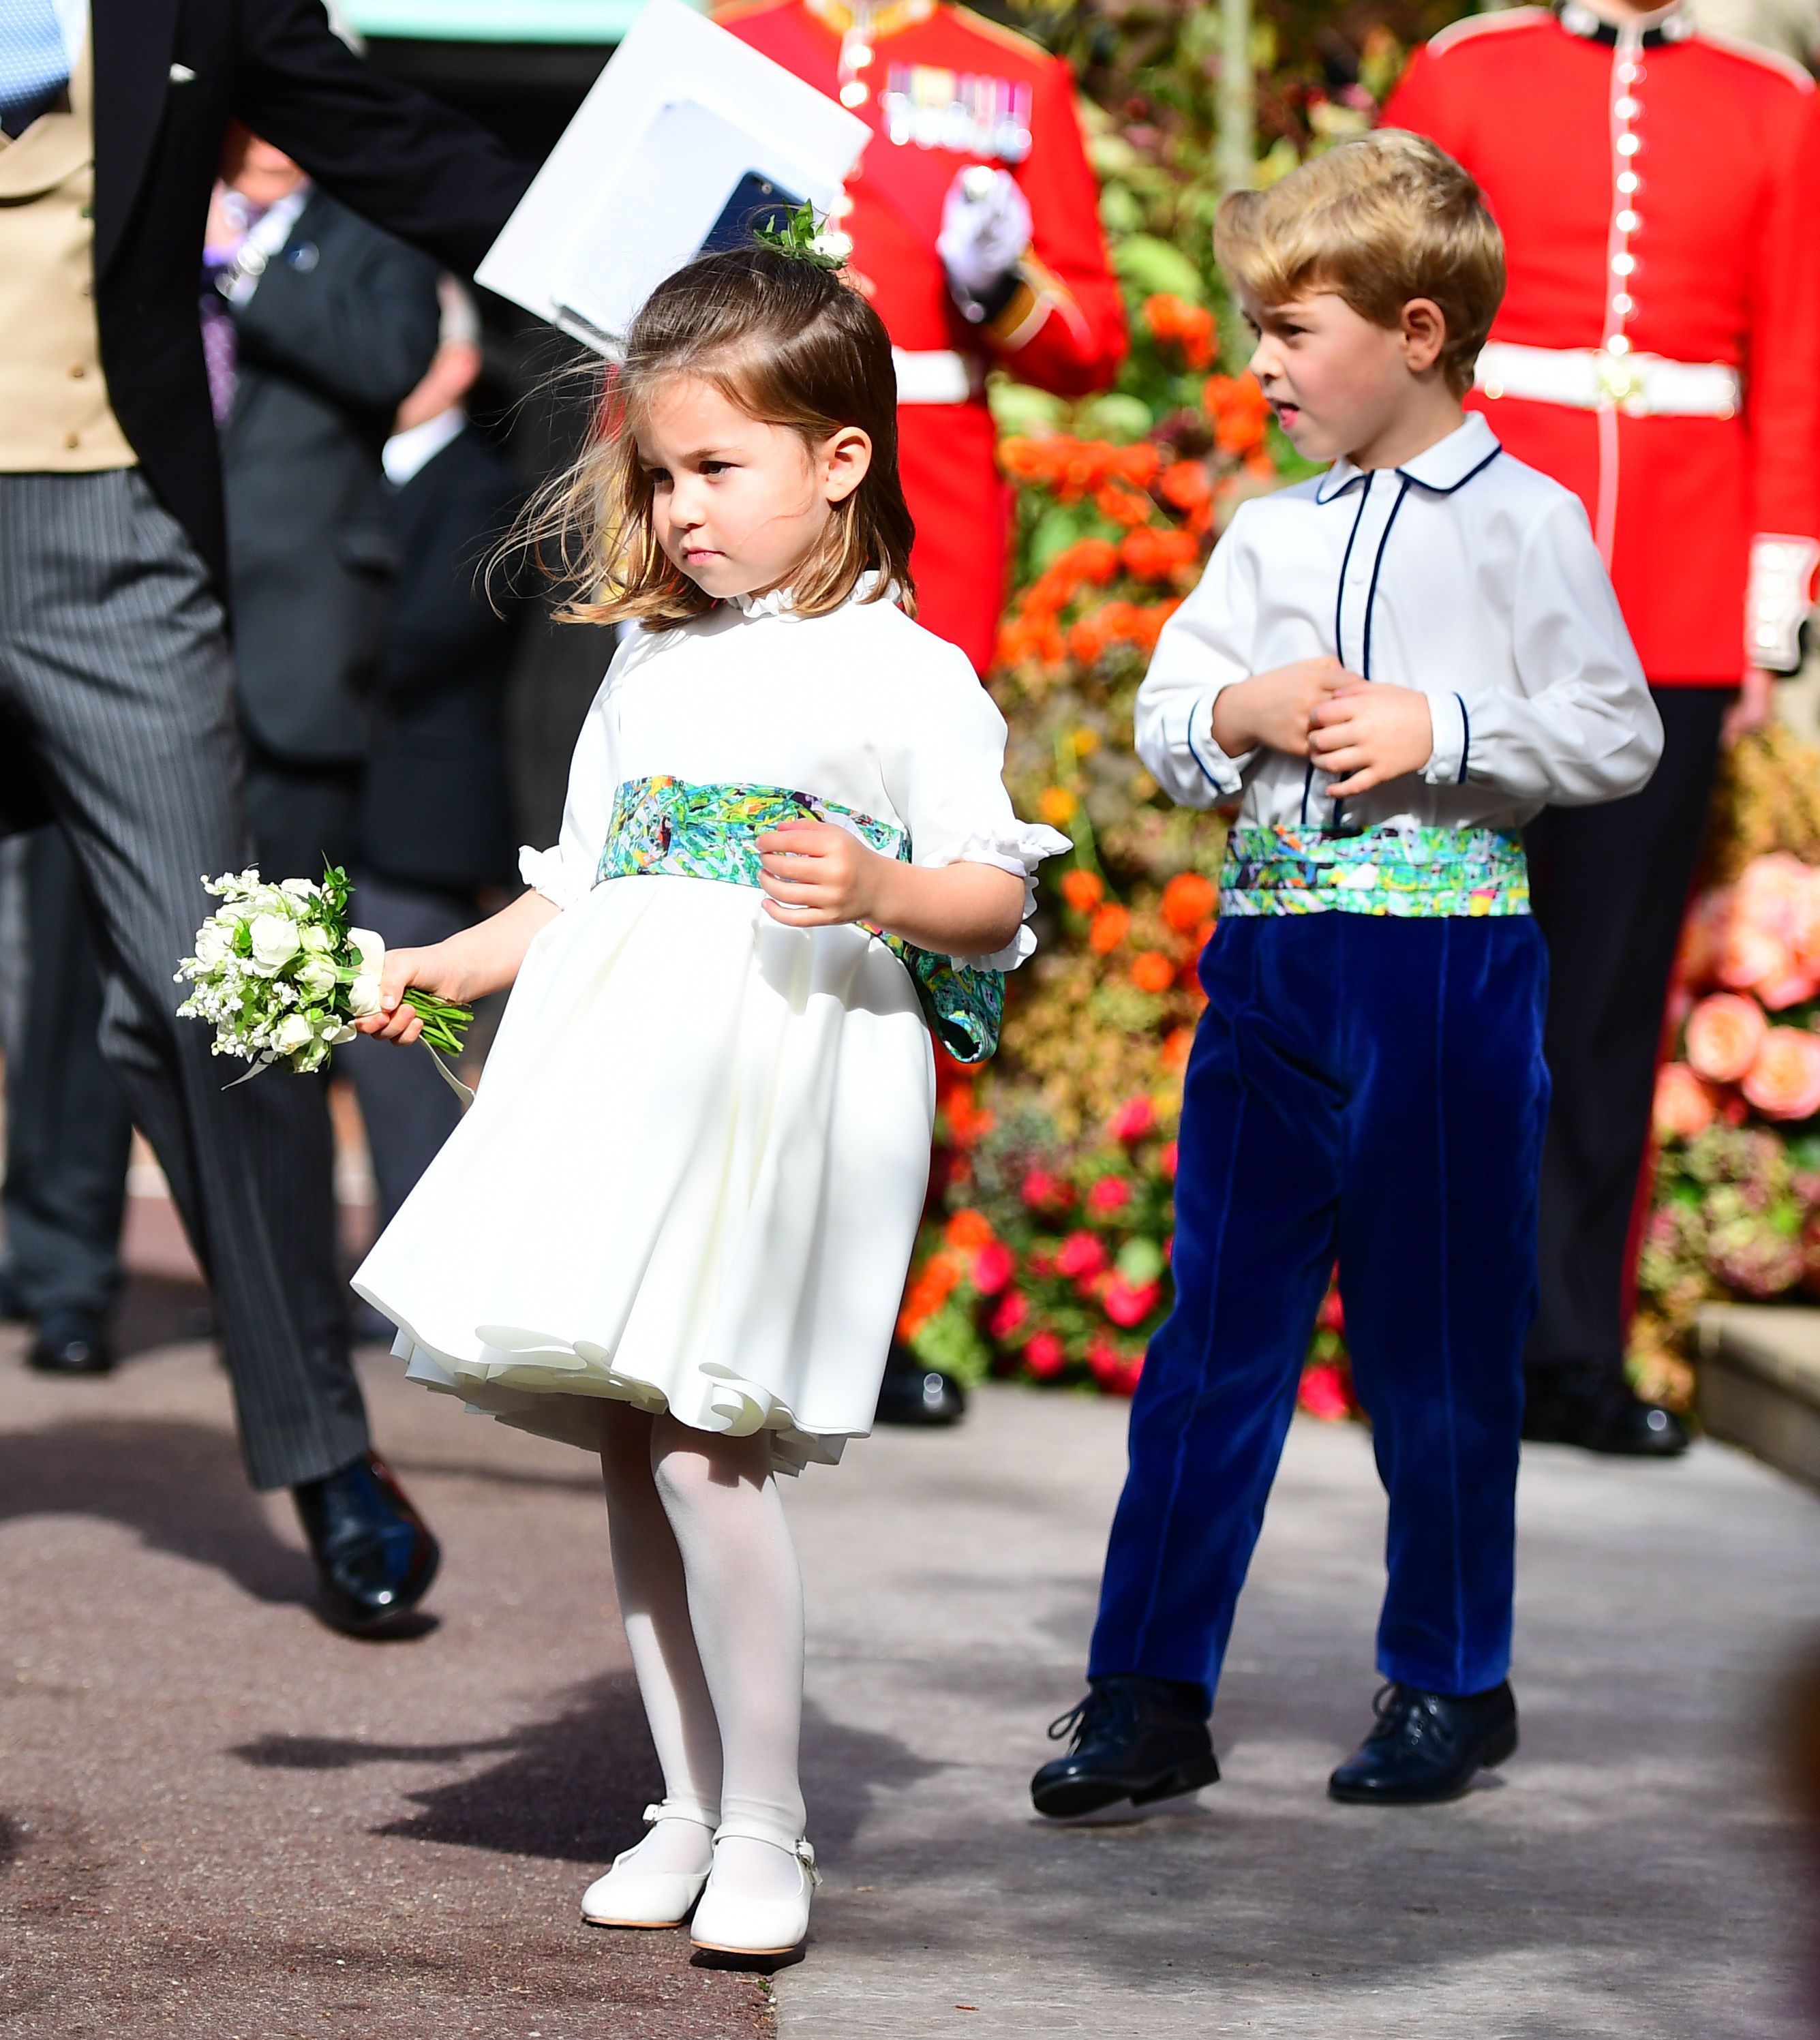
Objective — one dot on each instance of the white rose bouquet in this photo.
(281, 976)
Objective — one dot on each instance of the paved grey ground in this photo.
(1628, 1875)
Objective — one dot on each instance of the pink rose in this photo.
(1684, 1106)
(1044, 1355)
(1110, 1369)
(1783, 1082)
(1042, 1190)
(1129, 1304)
(1324, 1393)
(1081, 1255)
(1111, 1193)
(993, 1267)
(1724, 1033)
(1007, 1320)
(1134, 1119)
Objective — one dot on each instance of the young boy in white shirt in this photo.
(1394, 665)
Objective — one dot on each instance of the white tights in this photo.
(712, 1600)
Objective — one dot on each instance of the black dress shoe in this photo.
(70, 1342)
(375, 1555)
(1131, 1739)
(1601, 1415)
(912, 1393)
(1426, 1747)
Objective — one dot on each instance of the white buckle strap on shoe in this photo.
(1592, 378)
(727, 1924)
(648, 1899)
(940, 376)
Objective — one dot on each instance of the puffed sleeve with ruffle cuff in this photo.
(565, 873)
(946, 776)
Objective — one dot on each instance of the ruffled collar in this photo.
(780, 601)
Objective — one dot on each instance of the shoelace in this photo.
(1105, 1708)
(1408, 1716)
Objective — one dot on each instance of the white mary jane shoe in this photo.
(727, 1924)
(630, 1897)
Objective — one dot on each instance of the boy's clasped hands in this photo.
(1365, 731)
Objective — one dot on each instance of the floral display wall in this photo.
(1045, 1252)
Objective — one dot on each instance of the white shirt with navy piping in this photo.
(1462, 574)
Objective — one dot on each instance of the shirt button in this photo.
(1624, 304)
(1622, 265)
(1628, 222)
(1628, 180)
(1626, 108)
(1627, 145)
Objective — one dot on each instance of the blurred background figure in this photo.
(433, 825)
(316, 326)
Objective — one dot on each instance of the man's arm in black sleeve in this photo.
(427, 174)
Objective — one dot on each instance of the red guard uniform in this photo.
(1659, 351)
(942, 88)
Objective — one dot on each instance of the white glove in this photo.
(985, 230)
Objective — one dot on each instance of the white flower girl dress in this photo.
(693, 1175)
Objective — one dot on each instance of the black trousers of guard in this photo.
(1609, 886)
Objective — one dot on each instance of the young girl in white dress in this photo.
(675, 1226)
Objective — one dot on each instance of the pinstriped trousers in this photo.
(114, 661)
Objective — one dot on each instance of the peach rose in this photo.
(1702, 940)
(1783, 1082)
(1794, 989)
(1684, 1106)
(1724, 1033)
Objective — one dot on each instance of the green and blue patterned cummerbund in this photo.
(1405, 872)
(669, 825)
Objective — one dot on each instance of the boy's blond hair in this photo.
(1377, 221)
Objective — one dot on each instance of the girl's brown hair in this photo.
(792, 345)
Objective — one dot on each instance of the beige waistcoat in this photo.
(54, 408)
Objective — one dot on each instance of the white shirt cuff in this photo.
(1221, 772)
(1452, 753)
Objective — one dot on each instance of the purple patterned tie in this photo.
(220, 353)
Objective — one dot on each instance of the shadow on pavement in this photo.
(158, 1311)
(179, 1486)
(571, 1787)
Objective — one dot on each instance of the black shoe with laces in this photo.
(374, 1555)
(1131, 1739)
(1426, 1747)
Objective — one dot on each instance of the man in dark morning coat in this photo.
(116, 679)
(308, 359)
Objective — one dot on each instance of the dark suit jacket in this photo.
(416, 168)
(340, 329)
(435, 809)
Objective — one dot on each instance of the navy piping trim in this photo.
(1189, 734)
(1340, 590)
(1439, 489)
(1377, 568)
(1466, 739)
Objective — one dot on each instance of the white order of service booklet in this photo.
(686, 139)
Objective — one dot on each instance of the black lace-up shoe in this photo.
(375, 1555)
(1131, 1739)
(1426, 1747)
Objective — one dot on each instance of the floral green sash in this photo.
(1404, 872)
(664, 824)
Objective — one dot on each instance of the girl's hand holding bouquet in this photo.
(285, 978)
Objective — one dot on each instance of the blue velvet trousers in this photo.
(1371, 1090)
